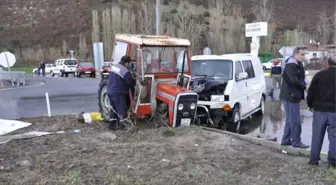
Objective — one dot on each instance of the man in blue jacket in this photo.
(120, 82)
(292, 93)
(276, 72)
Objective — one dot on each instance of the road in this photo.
(73, 95)
(67, 96)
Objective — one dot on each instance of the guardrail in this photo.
(16, 77)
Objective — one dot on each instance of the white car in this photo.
(231, 88)
(48, 69)
(65, 66)
(268, 65)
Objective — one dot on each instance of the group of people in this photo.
(321, 100)
(41, 69)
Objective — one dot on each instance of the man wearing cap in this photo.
(292, 92)
(120, 82)
(321, 99)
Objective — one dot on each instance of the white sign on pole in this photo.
(7, 59)
(256, 29)
(207, 51)
(255, 46)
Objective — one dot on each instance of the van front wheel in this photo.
(261, 107)
(235, 121)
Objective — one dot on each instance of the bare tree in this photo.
(323, 27)
(95, 27)
(107, 33)
(297, 36)
(146, 16)
(82, 49)
(226, 33)
(187, 26)
(264, 10)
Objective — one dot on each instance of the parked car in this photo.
(65, 66)
(268, 65)
(104, 71)
(85, 68)
(48, 69)
(231, 88)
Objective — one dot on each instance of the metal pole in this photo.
(7, 63)
(158, 17)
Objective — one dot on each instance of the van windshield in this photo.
(217, 69)
(70, 62)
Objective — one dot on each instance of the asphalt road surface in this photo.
(66, 95)
(73, 95)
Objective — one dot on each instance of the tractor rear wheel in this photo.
(103, 100)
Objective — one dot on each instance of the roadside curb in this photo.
(23, 87)
(272, 145)
(57, 96)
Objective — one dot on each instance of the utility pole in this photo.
(158, 17)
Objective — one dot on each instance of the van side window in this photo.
(238, 68)
(248, 67)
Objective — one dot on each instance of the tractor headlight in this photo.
(192, 106)
(180, 106)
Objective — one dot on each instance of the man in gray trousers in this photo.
(292, 92)
(321, 99)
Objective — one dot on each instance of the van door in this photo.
(239, 91)
(253, 95)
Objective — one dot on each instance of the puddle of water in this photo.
(271, 125)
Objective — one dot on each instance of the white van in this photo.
(231, 88)
(65, 66)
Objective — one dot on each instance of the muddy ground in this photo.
(185, 156)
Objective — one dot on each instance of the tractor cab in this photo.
(163, 64)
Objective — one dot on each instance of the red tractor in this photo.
(164, 64)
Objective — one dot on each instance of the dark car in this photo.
(85, 68)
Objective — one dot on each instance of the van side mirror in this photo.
(241, 76)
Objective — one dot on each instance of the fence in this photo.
(17, 77)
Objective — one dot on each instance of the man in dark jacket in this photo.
(292, 92)
(321, 99)
(120, 82)
(42, 67)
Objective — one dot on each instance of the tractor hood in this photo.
(207, 86)
(171, 89)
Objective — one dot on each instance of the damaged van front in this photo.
(210, 77)
(230, 87)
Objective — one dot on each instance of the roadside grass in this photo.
(27, 70)
(331, 176)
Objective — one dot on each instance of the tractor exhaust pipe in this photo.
(181, 79)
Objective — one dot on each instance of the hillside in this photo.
(44, 29)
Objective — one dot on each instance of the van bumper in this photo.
(216, 105)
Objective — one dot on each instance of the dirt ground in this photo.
(187, 155)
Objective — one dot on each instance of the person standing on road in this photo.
(321, 99)
(292, 92)
(120, 82)
(42, 67)
(276, 72)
